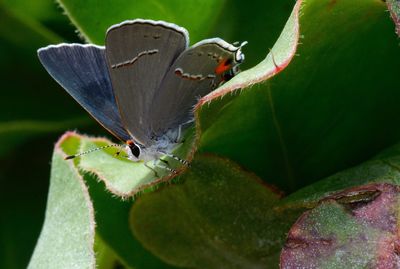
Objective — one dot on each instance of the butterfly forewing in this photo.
(82, 71)
(195, 73)
(139, 54)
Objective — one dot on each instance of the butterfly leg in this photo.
(179, 134)
(178, 137)
(182, 161)
(166, 166)
(164, 161)
(155, 164)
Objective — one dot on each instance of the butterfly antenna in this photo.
(244, 43)
(92, 150)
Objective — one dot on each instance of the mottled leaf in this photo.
(356, 228)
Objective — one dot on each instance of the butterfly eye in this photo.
(135, 149)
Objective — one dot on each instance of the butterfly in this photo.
(142, 86)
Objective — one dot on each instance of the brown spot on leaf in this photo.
(331, 4)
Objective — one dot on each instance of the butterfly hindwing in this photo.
(195, 73)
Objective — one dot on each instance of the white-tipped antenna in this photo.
(92, 150)
(240, 45)
(244, 43)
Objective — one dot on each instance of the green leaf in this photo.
(93, 18)
(105, 257)
(219, 217)
(39, 10)
(112, 218)
(339, 94)
(67, 235)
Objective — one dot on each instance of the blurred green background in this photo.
(35, 111)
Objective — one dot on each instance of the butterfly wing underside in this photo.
(196, 72)
(139, 53)
(82, 71)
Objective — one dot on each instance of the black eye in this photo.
(135, 150)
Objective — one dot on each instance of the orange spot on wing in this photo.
(223, 66)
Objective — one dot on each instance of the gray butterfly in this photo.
(143, 84)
